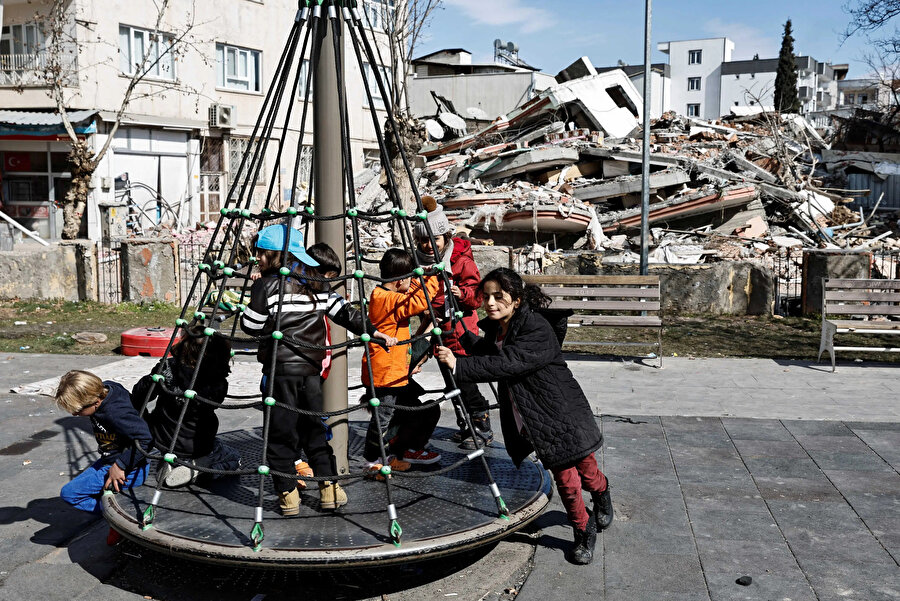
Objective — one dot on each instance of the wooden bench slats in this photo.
(835, 309)
(606, 305)
(593, 280)
(842, 297)
(570, 291)
(864, 295)
(856, 284)
(620, 321)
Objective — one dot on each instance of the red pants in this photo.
(571, 480)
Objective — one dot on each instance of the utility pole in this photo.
(645, 167)
(329, 200)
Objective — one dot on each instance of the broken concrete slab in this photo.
(629, 185)
(531, 161)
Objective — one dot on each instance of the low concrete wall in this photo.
(32, 272)
(149, 271)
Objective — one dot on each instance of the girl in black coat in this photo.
(542, 407)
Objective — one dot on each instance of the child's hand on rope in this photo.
(445, 356)
(455, 291)
(389, 341)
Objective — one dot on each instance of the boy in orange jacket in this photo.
(391, 306)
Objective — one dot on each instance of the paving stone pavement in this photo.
(720, 468)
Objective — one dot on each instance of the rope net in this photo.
(225, 273)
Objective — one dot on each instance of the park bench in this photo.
(606, 301)
(844, 298)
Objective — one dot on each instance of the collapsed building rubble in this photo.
(563, 171)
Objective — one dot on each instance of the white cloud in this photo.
(747, 40)
(505, 12)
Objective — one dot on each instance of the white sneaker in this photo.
(181, 475)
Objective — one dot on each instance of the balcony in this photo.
(823, 99)
(804, 93)
(28, 70)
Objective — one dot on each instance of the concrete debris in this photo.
(563, 172)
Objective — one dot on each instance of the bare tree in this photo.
(404, 22)
(68, 38)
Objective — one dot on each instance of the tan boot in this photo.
(289, 502)
(333, 496)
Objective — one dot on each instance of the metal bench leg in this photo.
(827, 342)
(659, 347)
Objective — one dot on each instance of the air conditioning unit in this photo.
(222, 116)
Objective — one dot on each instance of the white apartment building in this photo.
(184, 144)
(695, 67)
(706, 83)
(868, 93)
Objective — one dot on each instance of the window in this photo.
(238, 68)
(237, 148)
(695, 57)
(693, 110)
(380, 13)
(304, 75)
(863, 99)
(850, 98)
(21, 39)
(141, 48)
(693, 83)
(369, 73)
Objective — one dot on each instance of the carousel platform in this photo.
(441, 514)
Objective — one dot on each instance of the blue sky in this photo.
(552, 34)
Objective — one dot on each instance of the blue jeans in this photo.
(84, 491)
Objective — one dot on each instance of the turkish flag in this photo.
(16, 161)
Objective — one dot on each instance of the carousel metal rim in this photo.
(320, 559)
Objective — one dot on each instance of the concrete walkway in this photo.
(780, 471)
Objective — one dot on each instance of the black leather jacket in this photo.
(302, 324)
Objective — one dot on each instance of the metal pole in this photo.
(329, 199)
(645, 167)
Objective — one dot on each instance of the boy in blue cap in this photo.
(298, 367)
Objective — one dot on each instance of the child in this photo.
(464, 276)
(117, 427)
(391, 306)
(196, 441)
(298, 370)
(542, 407)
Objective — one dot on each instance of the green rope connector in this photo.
(148, 517)
(224, 212)
(189, 394)
(228, 271)
(180, 322)
(266, 211)
(374, 402)
(458, 315)
(394, 211)
(277, 335)
(269, 401)
(365, 337)
(292, 211)
(352, 213)
(209, 332)
(419, 271)
(504, 510)
(242, 307)
(231, 353)
(401, 213)
(396, 532)
(386, 470)
(245, 212)
(254, 260)
(203, 267)
(263, 470)
(359, 274)
(423, 215)
(437, 331)
(157, 378)
(439, 266)
(310, 210)
(284, 271)
(199, 315)
(169, 457)
(219, 264)
(257, 535)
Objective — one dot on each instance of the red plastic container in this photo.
(148, 342)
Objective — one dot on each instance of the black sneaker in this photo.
(485, 438)
(603, 509)
(585, 540)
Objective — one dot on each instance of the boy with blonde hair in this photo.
(117, 427)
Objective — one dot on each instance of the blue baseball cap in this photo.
(272, 238)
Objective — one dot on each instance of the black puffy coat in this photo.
(558, 423)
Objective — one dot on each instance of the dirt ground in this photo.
(48, 326)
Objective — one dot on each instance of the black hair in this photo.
(395, 262)
(326, 257)
(217, 357)
(512, 283)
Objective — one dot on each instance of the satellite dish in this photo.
(453, 121)
(476, 113)
(434, 129)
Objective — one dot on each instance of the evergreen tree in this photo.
(786, 99)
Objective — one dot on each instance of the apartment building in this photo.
(184, 144)
(706, 83)
(867, 93)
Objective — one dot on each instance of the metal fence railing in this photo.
(190, 256)
(109, 271)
